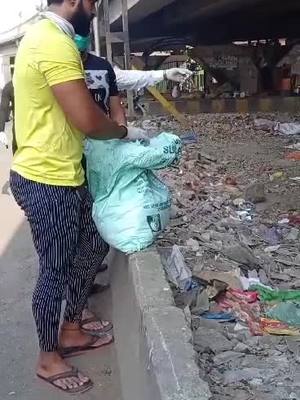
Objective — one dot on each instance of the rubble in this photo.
(255, 193)
(227, 228)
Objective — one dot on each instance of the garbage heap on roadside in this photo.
(236, 275)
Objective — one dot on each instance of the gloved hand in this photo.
(178, 74)
(3, 139)
(136, 134)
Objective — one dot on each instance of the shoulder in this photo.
(95, 62)
(46, 35)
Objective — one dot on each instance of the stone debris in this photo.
(255, 193)
(226, 228)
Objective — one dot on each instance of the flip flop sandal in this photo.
(102, 268)
(97, 332)
(69, 374)
(97, 288)
(67, 352)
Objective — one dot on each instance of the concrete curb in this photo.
(152, 333)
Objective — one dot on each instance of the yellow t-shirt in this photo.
(50, 149)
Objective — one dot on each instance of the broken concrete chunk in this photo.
(205, 237)
(241, 348)
(226, 357)
(193, 244)
(230, 278)
(236, 376)
(202, 303)
(206, 157)
(209, 340)
(255, 193)
(198, 322)
(293, 234)
(241, 254)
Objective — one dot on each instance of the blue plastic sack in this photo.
(131, 205)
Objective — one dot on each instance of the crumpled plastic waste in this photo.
(275, 327)
(245, 310)
(264, 124)
(294, 156)
(287, 311)
(289, 128)
(219, 316)
(240, 295)
(248, 282)
(267, 294)
(294, 220)
(177, 271)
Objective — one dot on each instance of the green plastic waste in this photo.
(287, 311)
(267, 294)
(131, 205)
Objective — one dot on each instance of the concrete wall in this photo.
(248, 105)
(153, 340)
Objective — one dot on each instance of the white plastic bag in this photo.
(288, 128)
(177, 270)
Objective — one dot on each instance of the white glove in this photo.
(178, 74)
(136, 134)
(3, 139)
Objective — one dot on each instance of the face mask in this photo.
(82, 42)
(81, 21)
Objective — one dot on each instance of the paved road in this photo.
(18, 345)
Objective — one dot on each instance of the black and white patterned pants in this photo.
(69, 248)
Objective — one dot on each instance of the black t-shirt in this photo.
(100, 80)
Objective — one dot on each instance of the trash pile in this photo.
(235, 271)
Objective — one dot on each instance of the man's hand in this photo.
(3, 139)
(136, 134)
(178, 74)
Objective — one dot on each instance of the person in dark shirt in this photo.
(101, 81)
(6, 107)
(102, 84)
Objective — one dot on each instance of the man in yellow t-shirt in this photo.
(53, 112)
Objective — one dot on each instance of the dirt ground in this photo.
(250, 154)
(247, 153)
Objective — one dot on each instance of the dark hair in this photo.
(49, 2)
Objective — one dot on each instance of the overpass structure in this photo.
(165, 24)
(207, 22)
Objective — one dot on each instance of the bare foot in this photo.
(51, 364)
(97, 325)
(72, 336)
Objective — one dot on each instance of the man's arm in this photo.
(136, 80)
(62, 69)
(79, 106)
(117, 112)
